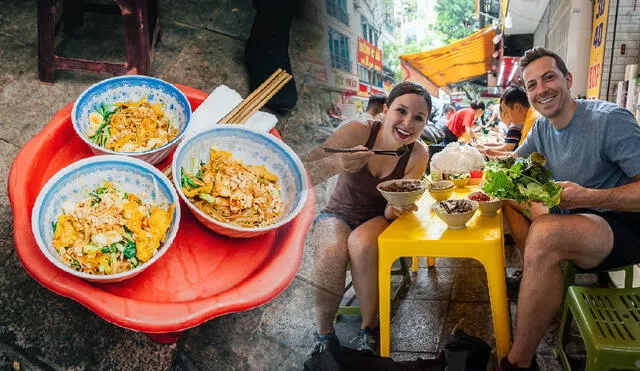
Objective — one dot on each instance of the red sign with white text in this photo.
(368, 55)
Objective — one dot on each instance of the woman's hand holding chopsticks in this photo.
(352, 162)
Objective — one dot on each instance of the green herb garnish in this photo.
(524, 180)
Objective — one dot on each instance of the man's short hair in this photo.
(515, 94)
(376, 100)
(539, 52)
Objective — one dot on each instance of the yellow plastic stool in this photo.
(423, 234)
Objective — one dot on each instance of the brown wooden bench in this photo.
(141, 31)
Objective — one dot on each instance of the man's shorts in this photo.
(626, 236)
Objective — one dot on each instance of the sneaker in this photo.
(513, 285)
(267, 49)
(367, 340)
(324, 342)
(506, 365)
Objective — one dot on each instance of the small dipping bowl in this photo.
(455, 220)
(443, 190)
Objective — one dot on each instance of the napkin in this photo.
(220, 102)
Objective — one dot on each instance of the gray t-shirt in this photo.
(600, 148)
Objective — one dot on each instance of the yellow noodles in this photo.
(234, 193)
(110, 232)
(131, 127)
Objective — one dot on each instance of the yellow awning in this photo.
(463, 60)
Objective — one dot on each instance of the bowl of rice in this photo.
(455, 159)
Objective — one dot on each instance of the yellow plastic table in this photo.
(423, 234)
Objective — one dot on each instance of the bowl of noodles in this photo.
(239, 182)
(106, 218)
(137, 116)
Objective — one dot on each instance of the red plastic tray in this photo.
(203, 275)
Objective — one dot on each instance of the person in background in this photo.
(502, 128)
(494, 114)
(592, 148)
(530, 119)
(347, 230)
(375, 106)
(458, 127)
(267, 48)
(449, 111)
(514, 109)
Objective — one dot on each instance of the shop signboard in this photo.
(363, 90)
(457, 97)
(368, 55)
(598, 32)
(345, 80)
(387, 87)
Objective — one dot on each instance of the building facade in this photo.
(598, 39)
(355, 32)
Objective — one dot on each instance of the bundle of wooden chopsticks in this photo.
(257, 99)
(253, 102)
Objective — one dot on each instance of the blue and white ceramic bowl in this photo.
(252, 147)
(73, 183)
(133, 88)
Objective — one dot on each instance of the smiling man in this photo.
(592, 148)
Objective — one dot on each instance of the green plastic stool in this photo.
(349, 309)
(570, 271)
(609, 324)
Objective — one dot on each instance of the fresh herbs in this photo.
(96, 194)
(524, 180)
(200, 173)
(103, 132)
(187, 181)
(75, 264)
(130, 250)
(460, 176)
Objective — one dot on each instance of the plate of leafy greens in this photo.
(524, 180)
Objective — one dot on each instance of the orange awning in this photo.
(463, 60)
(411, 74)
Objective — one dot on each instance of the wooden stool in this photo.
(141, 31)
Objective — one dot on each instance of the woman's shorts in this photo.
(328, 214)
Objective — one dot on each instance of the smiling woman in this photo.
(347, 229)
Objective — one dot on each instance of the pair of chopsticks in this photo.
(253, 102)
(258, 98)
(398, 152)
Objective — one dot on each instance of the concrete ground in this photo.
(202, 46)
